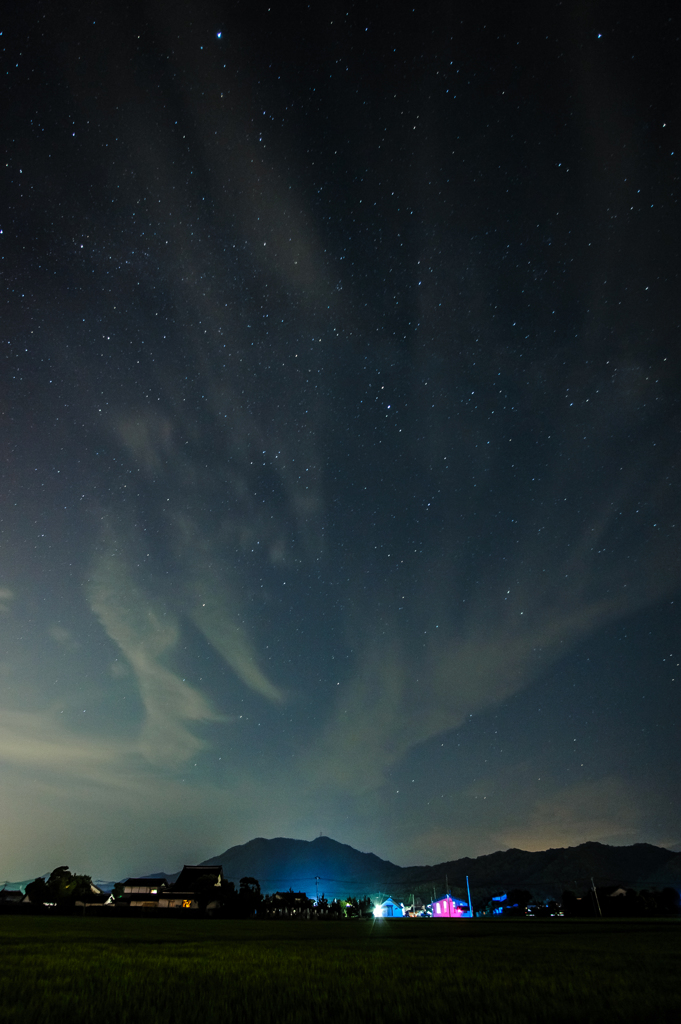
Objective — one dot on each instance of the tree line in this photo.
(605, 901)
(64, 891)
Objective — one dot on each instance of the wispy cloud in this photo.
(39, 739)
(148, 438)
(64, 637)
(408, 688)
(146, 634)
(229, 638)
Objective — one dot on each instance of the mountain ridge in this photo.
(335, 868)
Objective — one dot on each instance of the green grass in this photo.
(101, 971)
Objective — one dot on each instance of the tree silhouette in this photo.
(250, 897)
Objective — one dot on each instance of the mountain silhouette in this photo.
(279, 864)
(338, 870)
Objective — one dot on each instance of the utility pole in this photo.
(598, 905)
(316, 885)
(470, 901)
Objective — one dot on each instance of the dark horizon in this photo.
(340, 416)
(325, 866)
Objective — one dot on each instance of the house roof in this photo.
(11, 895)
(291, 897)
(191, 873)
(149, 883)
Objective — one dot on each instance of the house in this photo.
(184, 900)
(416, 909)
(193, 890)
(288, 904)
(389, 908)
(192, 874)
(143, 886)
(10, 897)
(447, 906)
(197, 886)
(97, 898)
(143, 892)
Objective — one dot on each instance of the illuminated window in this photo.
(186, 904)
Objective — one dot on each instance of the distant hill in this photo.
(281, 864)
(551, 871)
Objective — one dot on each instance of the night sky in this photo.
(340, 418)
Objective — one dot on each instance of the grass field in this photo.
(156, 972)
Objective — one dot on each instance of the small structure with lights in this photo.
(389, 908)
(448, 906)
